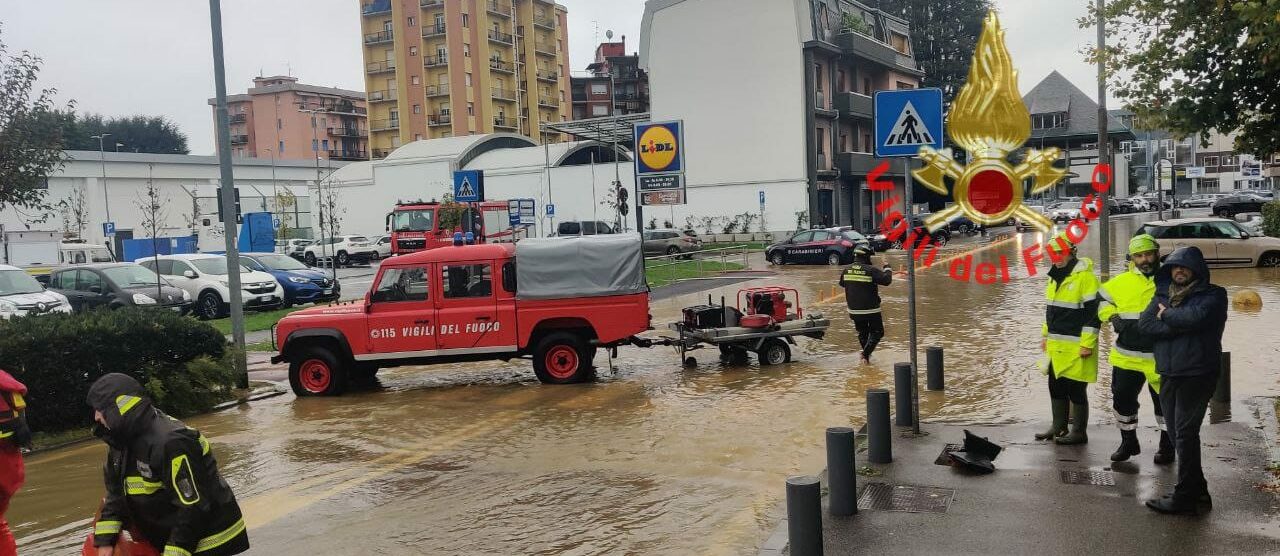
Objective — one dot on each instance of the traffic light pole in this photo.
(226, 196)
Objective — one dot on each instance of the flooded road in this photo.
(652, 459)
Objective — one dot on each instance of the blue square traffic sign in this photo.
(468, 186)
(906, 120)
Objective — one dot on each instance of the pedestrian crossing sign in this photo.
(906, 120)
(468, 186)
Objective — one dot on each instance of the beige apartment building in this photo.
(275, 118)
(443, 68)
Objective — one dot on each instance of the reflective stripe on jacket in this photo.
(861, 283)
(1071, 323)
(1125, 297)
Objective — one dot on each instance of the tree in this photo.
(151, 203)
(30, 149)
(284, 203)
(147, 134)
(1195, 67)
(944, 34)
(75, 213)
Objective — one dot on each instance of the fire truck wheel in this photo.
(562, 358)
(316, 371)
(774, 352)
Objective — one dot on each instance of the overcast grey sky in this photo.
(123, 57)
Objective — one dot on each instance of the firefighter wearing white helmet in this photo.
(1070, 334)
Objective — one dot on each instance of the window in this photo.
(439, 20)
(840, 80)
(822, 141)
(87, 280)
(315, 145)
(599, 110)
(414, 80)
(866, 86)
(324, 144)
(1225, 230)
(411, 21)
(468, 79)
(279, 123)
(413, 51)
(599, 89)
(1229, 160)
(464, 281)
(399, 285)
(1048, 121)
(1211, 161)
(175, 268)
(900, 85)
(466, 50)
(386, 25)
(417, 137)
(802, 237)
(417, 109)
(844, 142)
(466, 20)
(471, 109)
(817, 76)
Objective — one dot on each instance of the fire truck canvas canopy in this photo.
(587, 266)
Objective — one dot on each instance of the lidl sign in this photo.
(660, 147)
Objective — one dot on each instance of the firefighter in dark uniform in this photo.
(861, 282)
(162, 480)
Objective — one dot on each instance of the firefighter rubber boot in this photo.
(1165, 455)
(1128, 446)
(1059, 426)
(1079, 420)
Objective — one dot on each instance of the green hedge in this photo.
(1271, 219)
(182, 362)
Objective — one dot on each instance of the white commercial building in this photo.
(187, 187)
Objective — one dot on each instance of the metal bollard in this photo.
(1222, 394)
(902, 394)
(879, 441)
(933, 356)
(804, 516)
(841, 480)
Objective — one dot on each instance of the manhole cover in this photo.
(1096, 478)
(905, 498)
(942, 458)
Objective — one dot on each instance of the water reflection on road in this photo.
(654, 458)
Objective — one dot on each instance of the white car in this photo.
(206, 279)
(21, 295)
(1064, 212)
(383, 246)
(343, 249)
(1139, 204)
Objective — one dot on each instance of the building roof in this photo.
(296, 87)
(112, 156)
(464, 148)
(556, 154)
(1055, 94)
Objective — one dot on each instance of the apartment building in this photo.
(446, 68)
(615, 84)
(1225, 169)
(281, 118)
(1065, 117)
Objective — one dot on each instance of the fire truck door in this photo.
(403, 315)
(469, 319)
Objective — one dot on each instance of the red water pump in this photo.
(766, 306)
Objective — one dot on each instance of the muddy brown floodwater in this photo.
(652, 459)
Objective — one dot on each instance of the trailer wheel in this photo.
(562, 358)
(316, 371)
(774, 352)
(731, 355)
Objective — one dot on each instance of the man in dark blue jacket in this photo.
(1186, 317)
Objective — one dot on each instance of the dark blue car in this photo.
(301, 283)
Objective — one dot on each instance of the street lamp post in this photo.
(102, 159)
(315, 152)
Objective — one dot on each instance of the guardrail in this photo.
(725, 255)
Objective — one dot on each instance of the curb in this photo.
(1266, 410)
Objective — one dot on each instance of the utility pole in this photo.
(102, 160)
(227, 196)
(1104, 146)
(315, 142)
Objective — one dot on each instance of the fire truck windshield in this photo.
(415, 220)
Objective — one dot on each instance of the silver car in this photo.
(669, 242)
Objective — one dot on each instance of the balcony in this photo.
(548, 75)
(502, 94)
(437, 61)
(438, 90)
(348, 155)
(861, 164)
(547, 23)
(428, 4)
(621, 96)
(439, 119)
(387, 95)
(503, 122)
(867, 48)
(548, 102)
(379, 37)
(433, 30)
(337, 107)
(854, 106)
(502, 66)
(383, 125)
(348, 132)
(376, 8)
(544, 49)
(501, 38)
(239, 139)
(238, 118)
(380, 67)
(497, 9)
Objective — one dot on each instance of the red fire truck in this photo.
(417, 226)
(555, 301)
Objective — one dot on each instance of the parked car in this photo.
(880, 241)
(1251, 222)
(1232, 205)
(962, 224)
(205, 278)
(1154, 200)
(583, 228)
(1064, 211)
(828, 246)
(21, 295)
(669, 242)
(1223, 242)
(292, 247)
(344, 250)
(382, 245)
(1022, 225)
(1198, 201)
(1139, 204)
(301, 283)
(1129, 205)
(83, 253)
(117, 285)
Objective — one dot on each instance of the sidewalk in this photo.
(1026, 507)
